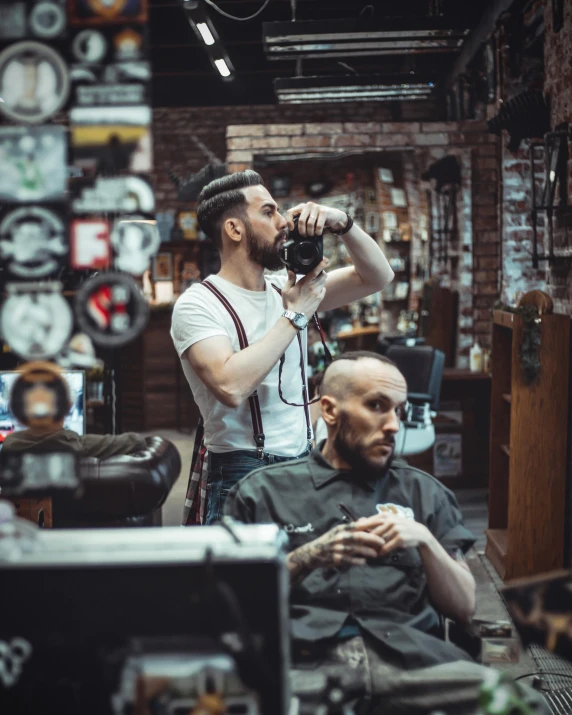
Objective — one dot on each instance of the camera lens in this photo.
(306, 252)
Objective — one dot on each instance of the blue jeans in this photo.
(228, 468)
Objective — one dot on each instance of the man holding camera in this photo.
(241, 334)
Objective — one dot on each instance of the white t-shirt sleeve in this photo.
(194, 319)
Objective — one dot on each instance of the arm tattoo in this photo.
(319, 553)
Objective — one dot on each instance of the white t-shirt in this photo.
(198, 315)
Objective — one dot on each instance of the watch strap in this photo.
(347, 227)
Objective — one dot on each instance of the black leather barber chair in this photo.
(385, 342)
(126, 490)
(422, 367)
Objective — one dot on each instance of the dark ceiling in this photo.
(184, 75)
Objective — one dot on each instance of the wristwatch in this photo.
(298, 320)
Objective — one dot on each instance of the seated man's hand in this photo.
(344, 545)
(394, 531)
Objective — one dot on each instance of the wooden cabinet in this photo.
(529, 440)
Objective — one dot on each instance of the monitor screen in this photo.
(75, 419)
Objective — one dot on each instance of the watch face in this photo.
(300, 321)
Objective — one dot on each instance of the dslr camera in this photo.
(301, 254)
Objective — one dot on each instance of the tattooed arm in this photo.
(341, 546)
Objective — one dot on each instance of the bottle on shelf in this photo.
(476, 358)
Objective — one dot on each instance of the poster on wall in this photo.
(108, 140)
(448, 455)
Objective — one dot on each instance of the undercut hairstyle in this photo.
(222, 198)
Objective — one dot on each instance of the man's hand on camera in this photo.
(306, 295)
(314, 218)
(343, 545)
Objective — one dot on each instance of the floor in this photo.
(490, 605)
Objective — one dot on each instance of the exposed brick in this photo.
(397, 139)
(245, 130)
(439, 126)
(486, 289)
(311, 141)
(237, 167)
(484, 276)
(354, 140)
(291, 130)
(324, 128)
(485, 249)
(271, 143)
(400, 127)
(239, 143)
(239, 156)
(362, 127)
(487, 262)
(483, 162)
(434, 139)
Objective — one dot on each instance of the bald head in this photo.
(363, 398)
(347, 374)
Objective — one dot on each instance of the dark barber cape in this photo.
(388, 597)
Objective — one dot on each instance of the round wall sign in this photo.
(32, 242)
(36, 321)
(111, 309)
(34, 82)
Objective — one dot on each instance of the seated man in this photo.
(368, 592)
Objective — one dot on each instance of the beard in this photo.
(348, 446)
(265, 254)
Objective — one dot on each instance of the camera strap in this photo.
(306, 403)
(253, 401)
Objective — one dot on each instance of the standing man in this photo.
(232, 335)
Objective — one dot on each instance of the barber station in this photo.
(285, 354)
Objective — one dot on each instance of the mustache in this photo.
(388, 441)
(283, 235)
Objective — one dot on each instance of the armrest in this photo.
(127, 485)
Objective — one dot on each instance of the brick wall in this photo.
(173, 126)
(558, 87)
(430, 141)
(518, 273)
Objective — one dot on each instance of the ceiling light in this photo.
(222, 67)
(206, 34)
(359, 37)
(348, 88)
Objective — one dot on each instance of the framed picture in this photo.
(398, 198)
(187, 224)
(385, 175)
(162, 267)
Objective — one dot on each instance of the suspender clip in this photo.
(259, 439)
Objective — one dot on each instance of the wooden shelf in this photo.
(496, 549)
(527, 529)
(503, 318)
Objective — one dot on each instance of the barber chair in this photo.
(422, 367)
(385, 342)
(125, 490)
